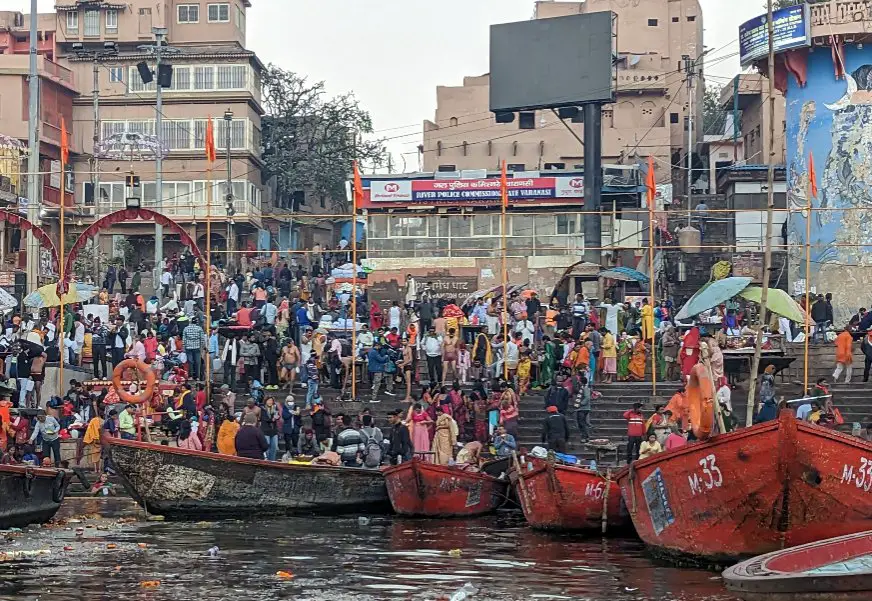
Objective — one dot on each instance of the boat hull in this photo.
(750, 492)
(30, 495)
(835, 569)
(181, 483)
(421, 489)
(567, 498)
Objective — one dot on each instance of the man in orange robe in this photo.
(844, 355)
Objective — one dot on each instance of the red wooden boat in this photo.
(833, 569)
(418, 488)
(752, 491)
(563, 497)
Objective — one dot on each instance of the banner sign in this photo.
(474, 191)
(791, 26)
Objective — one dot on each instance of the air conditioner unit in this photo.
(473, 174)
(88, 211)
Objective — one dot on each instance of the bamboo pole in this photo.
(504, 271)
(770, 204)
(652, 292)
(62, 269)
(807, 289)
(208, 357)
(353, 293)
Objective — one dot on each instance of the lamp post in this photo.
(231, 242)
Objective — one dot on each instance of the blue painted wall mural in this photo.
(832, 119)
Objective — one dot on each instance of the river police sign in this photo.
(791, 26)
(474, 191)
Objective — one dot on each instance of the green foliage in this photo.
(714, 118)
(311, 140)
(124, 252)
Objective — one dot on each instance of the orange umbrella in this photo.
(528, 293)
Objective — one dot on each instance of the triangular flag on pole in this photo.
(504, 186)
(812, 177)
(65, 144)
(210, 141)
(357, 193)
(651, 183)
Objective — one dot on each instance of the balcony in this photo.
(841, 17)
(641, 80)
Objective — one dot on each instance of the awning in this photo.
(624, 274)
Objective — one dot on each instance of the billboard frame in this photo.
(761, 21)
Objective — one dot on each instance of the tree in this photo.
(714, 118)
(776, 4)
(311, 140)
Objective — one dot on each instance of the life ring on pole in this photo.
(143, 370)
(701, 402)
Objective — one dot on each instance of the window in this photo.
(549, 166)
(73, 21)
(176, 134)
(516, 167)
(181, 78)
(189, 13)
(219, 13)
(565, 224)
(232, 77)
(92, 23)
(446, 168)
(691, 18)
(116, 74)
(675, 19)
(134, 82)
(112, 20)
(652, 22)
(204, 78)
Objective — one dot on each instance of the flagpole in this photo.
(650, 198)
(209, 197)
(806, 318)
(62, 267)
(354, 193)
(504, 202)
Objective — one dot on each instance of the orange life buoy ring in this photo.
(700, 401)
(143, 369)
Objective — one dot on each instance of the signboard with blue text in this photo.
(791, 26)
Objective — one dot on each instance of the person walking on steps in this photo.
(635, 431)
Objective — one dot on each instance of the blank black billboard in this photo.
(544, 63)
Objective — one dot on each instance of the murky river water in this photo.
(331, 559)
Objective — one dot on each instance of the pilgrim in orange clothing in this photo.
(844, 355)
(680, 411)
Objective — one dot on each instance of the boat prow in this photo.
(752, 491)
(178, 483)
(30, 495)
(570, 498)
(833, 569)
(421, 489)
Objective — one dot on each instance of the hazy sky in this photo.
(393, 53)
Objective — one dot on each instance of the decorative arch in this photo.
(121, 217)
(39, 233)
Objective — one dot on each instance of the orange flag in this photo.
(651, 183)
(504, 186)
(812, 177)
(65, 143)
(210, 141)
(357, 193)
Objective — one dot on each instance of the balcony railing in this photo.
(184, 210)
(55, 70)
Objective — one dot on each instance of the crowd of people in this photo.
(461, 367)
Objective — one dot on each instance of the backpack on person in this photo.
(372, 449)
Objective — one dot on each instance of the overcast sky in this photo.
(393, 53)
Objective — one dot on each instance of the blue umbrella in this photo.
(712, 295)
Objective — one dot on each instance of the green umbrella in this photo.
(778, 301)
(712, 295)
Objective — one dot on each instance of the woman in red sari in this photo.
(689, 351)
(376, 319)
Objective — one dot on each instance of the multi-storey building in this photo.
(648, 118)
(213, 75)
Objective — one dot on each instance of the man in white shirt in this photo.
(199, 295)
(432, 346)
(394, 316)
(166, 280)
(232, 297)
(493, 324)
(411, 291)
(79, 337)
(305, 353)
(525, 328)
(513, 354)
(365, 340)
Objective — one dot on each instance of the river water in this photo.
(329, 559)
